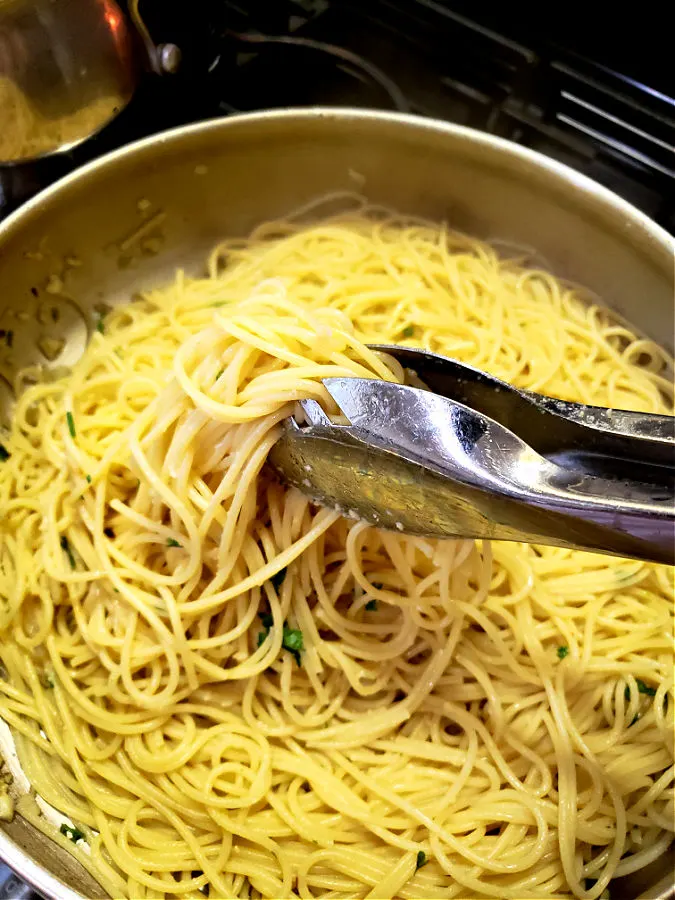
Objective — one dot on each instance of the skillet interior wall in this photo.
(128, 220)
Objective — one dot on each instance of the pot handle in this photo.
(164, 59)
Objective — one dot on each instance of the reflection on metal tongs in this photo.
(472, 456)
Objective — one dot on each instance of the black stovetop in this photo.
(596, 96)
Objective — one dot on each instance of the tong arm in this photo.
(425, 464)
(571, 433)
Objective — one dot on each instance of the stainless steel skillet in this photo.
(130, 219)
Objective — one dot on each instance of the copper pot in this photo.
(67, 67)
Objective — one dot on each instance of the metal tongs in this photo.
(471, 456)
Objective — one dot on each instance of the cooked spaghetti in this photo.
(228, 690)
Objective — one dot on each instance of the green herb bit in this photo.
(421, 859)
(562, 652)
(71, 424)
(219, 374)
(293, 642)
(292, 639)
(642, 689)
(88, 477)
(278, 579)
(65, 546)
(408, 333)
(172, 542)
(266, 619)
(73, 833)
(47, 680)
(645, 688)
(100, 327)
(4, 453)
(371, 605)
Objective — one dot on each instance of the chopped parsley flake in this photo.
(219, 374)
(293, 642)
(172, 542)
(88, 477)
(292, 639)
(99, 325)
(278, 579)
(4, 453)
(408, 333)
(645, 688)
(65, 546)
(642, 689)
(266, 620)
(47, 680)
(73, 833)
(421, 859)
(562, 652)
(371, 605)
(71, 424)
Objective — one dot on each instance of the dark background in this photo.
(585, 83)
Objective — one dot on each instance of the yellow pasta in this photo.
(228, 690)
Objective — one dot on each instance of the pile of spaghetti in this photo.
(229, 691)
